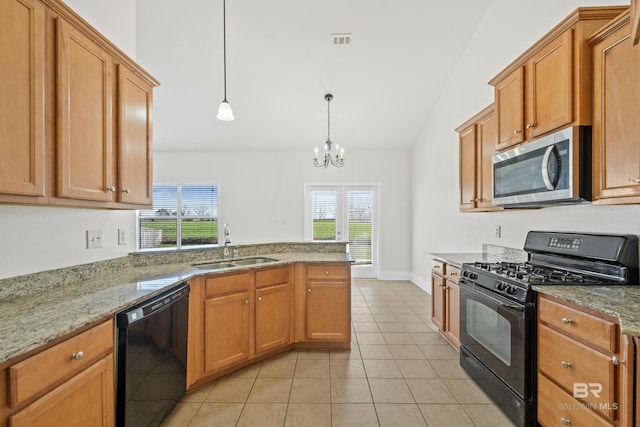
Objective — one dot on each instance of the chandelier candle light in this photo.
(224, 111)
(337, 158)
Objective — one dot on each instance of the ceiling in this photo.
(281, 62)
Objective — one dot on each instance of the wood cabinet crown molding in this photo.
(475, 118)
(580, 14)
(615, 25)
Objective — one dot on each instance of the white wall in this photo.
(262, 194)
(36, 239)
(504, 32)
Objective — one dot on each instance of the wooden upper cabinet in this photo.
(510, 107)
(22, 70)
(468, 168)
(135, 103)
(478, 138)
(635, 21)
(616, 124)
(84, 117)
(548, 87)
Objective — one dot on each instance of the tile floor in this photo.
(399, 372)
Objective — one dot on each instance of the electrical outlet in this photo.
(498, 231)
(94, 239)
(122, 236)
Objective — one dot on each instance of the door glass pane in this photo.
(359, 220)
(323, 211)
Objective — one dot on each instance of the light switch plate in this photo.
(94, 239)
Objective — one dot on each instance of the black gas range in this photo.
(498, 313)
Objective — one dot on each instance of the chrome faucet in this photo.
(227, 241)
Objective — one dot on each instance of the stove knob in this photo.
(512, 290)
(500, 286)
(474, 276)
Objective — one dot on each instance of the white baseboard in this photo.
(421, 282)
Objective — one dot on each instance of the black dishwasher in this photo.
(152, 358)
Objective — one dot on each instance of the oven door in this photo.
(499, 334)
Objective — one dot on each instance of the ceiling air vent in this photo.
(341, 39)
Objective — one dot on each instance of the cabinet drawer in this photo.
(594, 330)
(227, 284)
(557, 408)
(40, 372)
(438, 267)
(327, 271)
(569, 363)
(453, 273)
(272, 276)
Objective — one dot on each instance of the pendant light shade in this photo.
(224, 111)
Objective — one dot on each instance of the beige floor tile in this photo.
(445, 415)
(363, 309)
(487, 416)
(370, 338)
(416, 327)
(199, 395)
(353, 415)
(362, 318)
(262, 414)
(430, 338)
(278, 368)
(375, 351)
(313, 368)
(217, 414)
(390, 391)
(181, 414)
(308, 415)
(447, 368)
(439, 351)
(466, 391)
(406, 351)
(382, 369)
(231, 390)
(347, 368)
(430, 390)
(270, 390)
(399, 415)
(385, 318)
(416, 369)
(250, 371)
(391, 327)
(354, 353)
(397, 338)
(313, 355)
(366, 327)
(309, 390)
(350, 390)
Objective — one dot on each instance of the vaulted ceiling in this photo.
(281, 62)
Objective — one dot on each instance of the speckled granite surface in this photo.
(622, 302)
(38, 308)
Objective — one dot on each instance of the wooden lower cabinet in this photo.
(452, 324)
(274, 309)
(68, 384)
(445, 300)
(438, 308)
(584, 372)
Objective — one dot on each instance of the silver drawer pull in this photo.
(565, 421)
(565, 365)
(617, 361)
(566, 321)
(77, 356)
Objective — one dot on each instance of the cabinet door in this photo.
(327, 311)
(135, 102)
(437, 301)
(87, 399)
(616, 126)
(550, 86)
(452, 321)
(22, 97)
(226, 331)
(485, 148)
(635, 21)
(273, 308)
(84, 117)
(468, 168)
(510, 109)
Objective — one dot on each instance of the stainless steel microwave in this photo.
(555, 169)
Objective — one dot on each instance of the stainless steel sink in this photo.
(233, 263)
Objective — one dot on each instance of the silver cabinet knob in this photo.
(126, 191)
(636, 180)
(566, 321)
(111, 188)
(259, 299)
(565, 421)
(246, 302)
(565, 365)
(617, 361)
(327, 272)
(77, 356)
(309, 290)
(517, 132)
(530, 125)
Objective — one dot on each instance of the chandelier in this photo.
(337, 157)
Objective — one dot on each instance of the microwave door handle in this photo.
(545, 167)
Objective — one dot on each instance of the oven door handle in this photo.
(490, 296)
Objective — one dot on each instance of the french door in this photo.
(345, 213)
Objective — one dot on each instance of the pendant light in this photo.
(224, 111)
(336, 159)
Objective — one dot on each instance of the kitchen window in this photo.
(183, 215)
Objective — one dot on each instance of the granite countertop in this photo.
(30, 319)
(622, 302)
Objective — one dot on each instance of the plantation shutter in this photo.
(323, 211)
(359, 217)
